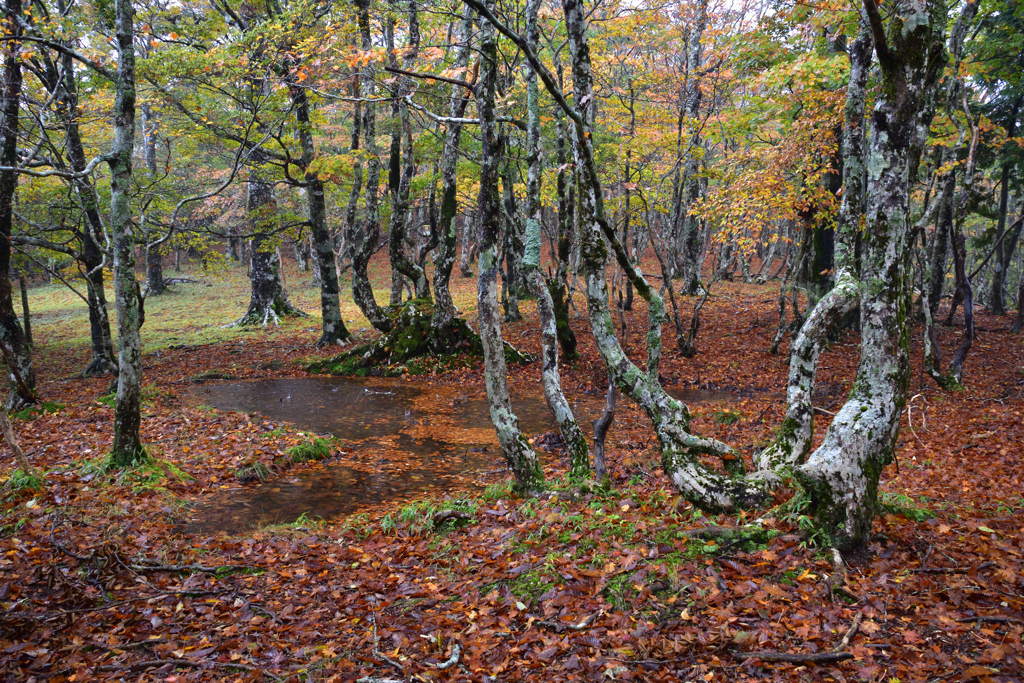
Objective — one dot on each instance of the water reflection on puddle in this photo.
(410, 441)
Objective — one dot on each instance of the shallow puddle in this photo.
(404, 442)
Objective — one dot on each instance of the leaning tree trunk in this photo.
(127, 448)
(268, 300)
(12, 336)
(572, 435)
(333, 327)
(793, 442)
(92, 229)
(519, 455)
(841, 476)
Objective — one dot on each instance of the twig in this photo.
(951, 570)
(991, 620)
(454, 659)
(376, 651)
(837, 655)
(810, 658)
(583, 625)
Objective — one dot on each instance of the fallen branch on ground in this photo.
(454, 659)
(560, 626)
(952, 570)
(443, 516)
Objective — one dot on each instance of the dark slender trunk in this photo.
(333, 327)
(401, 175)
(12, 336)
(1001, 260)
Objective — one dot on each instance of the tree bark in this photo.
(572, 435)
(444, 307)
(154, 259)
(519, 454)
(365, 243)
(793, 442)
(268, 300)
(332, 326)
(841, 476)
(11, 333)
(402, 150)
(127, 448)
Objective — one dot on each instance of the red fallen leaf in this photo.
(911, 637)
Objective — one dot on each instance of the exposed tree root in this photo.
(410, 338)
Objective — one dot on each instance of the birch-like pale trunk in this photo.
(127, 448)
(365, 244)
(841, 476)
(332, 326)
(12, 336)
(572, 435)
(155, 284)
(691, 245)
(793, 442)
(519, 454)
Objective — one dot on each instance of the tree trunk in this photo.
(154, 259)
(572, 435)
(997, 299)
(11, 333)
(519, 455)
(793, 442)
(444, 308)
(333, 327)
(365, 243)
(400, 186)
(841, 476)
(559, 285)
(127, 449)
(692, 234)
(268, 300)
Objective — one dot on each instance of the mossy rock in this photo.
(412, 347)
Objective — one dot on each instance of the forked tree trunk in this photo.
(127, 448)
(268, 300)
(444, 309)
(368, 237)
(793, 442)
(519, 455)
(572, 435)
(401, 186)
(92, 257)
(841, 476)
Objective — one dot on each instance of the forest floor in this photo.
(101, 576)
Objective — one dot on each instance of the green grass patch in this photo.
(32, 412)
(311, 451)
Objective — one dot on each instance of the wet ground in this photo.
(402, 443)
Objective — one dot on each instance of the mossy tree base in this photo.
(408, 345)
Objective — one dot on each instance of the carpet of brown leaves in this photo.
(100, 579)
